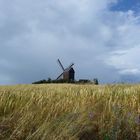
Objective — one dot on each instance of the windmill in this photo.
(68, 73)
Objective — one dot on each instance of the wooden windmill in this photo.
(67, 74)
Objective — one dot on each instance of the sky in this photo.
(102, 38)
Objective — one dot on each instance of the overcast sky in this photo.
(102, 38)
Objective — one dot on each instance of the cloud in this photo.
(33, 34)
(126, 61)
(130, 71)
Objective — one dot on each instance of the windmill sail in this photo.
(59, 76)
(60, 64)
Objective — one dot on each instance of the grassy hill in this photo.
(69, 112)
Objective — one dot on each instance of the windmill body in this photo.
(68, 74)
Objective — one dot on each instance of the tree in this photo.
(49, 80)
(95, 81)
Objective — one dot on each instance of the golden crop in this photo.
(69, 112)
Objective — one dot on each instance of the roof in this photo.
(69, 69)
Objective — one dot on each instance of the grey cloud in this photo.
(33, 34)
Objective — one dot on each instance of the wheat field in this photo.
(69, 112)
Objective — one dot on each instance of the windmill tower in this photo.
(68, 74)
